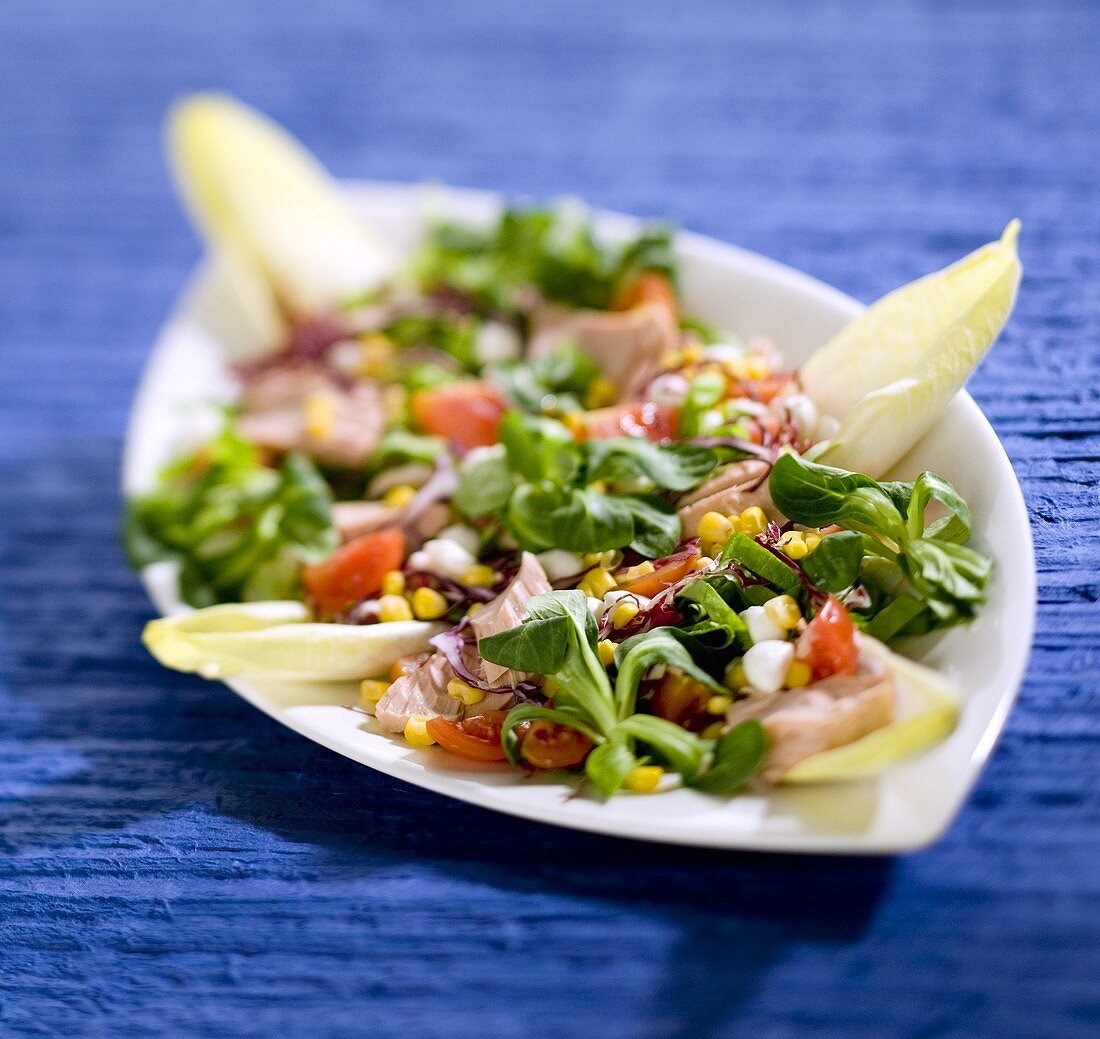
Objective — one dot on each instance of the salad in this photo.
(543, 515)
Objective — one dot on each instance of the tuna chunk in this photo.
(831, 713)
(734, 488)
(423, 690)
(506, 611)
(353, 519)
(626, 345)
(305, 409)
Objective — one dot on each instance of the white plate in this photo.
(906, 808)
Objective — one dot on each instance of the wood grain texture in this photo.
(175, 865)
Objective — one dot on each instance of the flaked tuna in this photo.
(734, 488)
(508, 610)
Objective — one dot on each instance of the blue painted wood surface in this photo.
(174, 864)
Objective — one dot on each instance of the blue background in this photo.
(174, 864)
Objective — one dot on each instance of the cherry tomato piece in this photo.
(828, 645)
(467, 413)
(476, 739)
(354, 571)
(647, 287)
(547, 745)
(655, 422)
(676, 568)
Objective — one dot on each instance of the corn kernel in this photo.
(735, 676)
(601, 393)
(702, 563)
(398, 497)
(591, 559)
(792, 544)
(479, 576)
(606, 650)
(714, 528)
(623, 613)
(371, 690)
(474, 607)
(753, 521)
(812, 538)
(416, 731)
(573, 421)
(638, 571)
(713, 731)
(319, 415)
(394, 400)
(719, 704)
(393, 583)
(644, 779)
(394, 608)
(376, 355)
(428, 604)
(672, 359)
(783, 611)
(597, 582)
(459, 690)
(798, 675)
(610, 559)
(735, 521)
(692, 354)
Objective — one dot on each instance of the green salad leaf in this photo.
(238, 529)
(554, 384)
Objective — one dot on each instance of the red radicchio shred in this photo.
(440, 485)
(310, 339)
(453, 645)
(462, 594)
(748, 447)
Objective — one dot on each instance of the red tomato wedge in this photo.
(354, 572)
(642, 419)
(476, 739)
(674, 569)
(647, 287)
(828, 645)
(466, 413)
(547, 745)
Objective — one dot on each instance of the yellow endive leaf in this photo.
(276, 641)
(890, 374)
(270, 211)
(927, 710)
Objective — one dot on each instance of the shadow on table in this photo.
(146, 743)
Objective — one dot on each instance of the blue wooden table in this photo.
(174, 864)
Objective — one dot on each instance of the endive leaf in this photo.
(291, 244)
(927, 709)
(890, 374)
(276, 641)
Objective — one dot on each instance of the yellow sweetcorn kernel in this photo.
(398, 497)
(393, 583)
(479, 576)
(798, 675)
(601, 393)
(416, 731)
(376, 355)
(734, 677)
(735, 522)
(597, 582)
(319, 415)
(701, 562)
(623, 613)
(719, 704)
(371, 690)
(812, 538)
(428, 604)
(693, 354)
(672, 359)
(792, 544)
(573, 421)
(783, 611)
(591, 559)
(714, 528)
(713, 731)
(638, 571)
(394, 401)
(610, 559)
(606, 650)
(473, 608)
(459, 690)
(753, 521)
(644, 779)
(394, 608)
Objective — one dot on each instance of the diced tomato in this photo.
(467, 413)
(476, 739)
(828, 645)
(767, 389)
(546, 745)
(354, 572)
(679, 698)
(647, 287)
(673, 569)
(655, 422)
